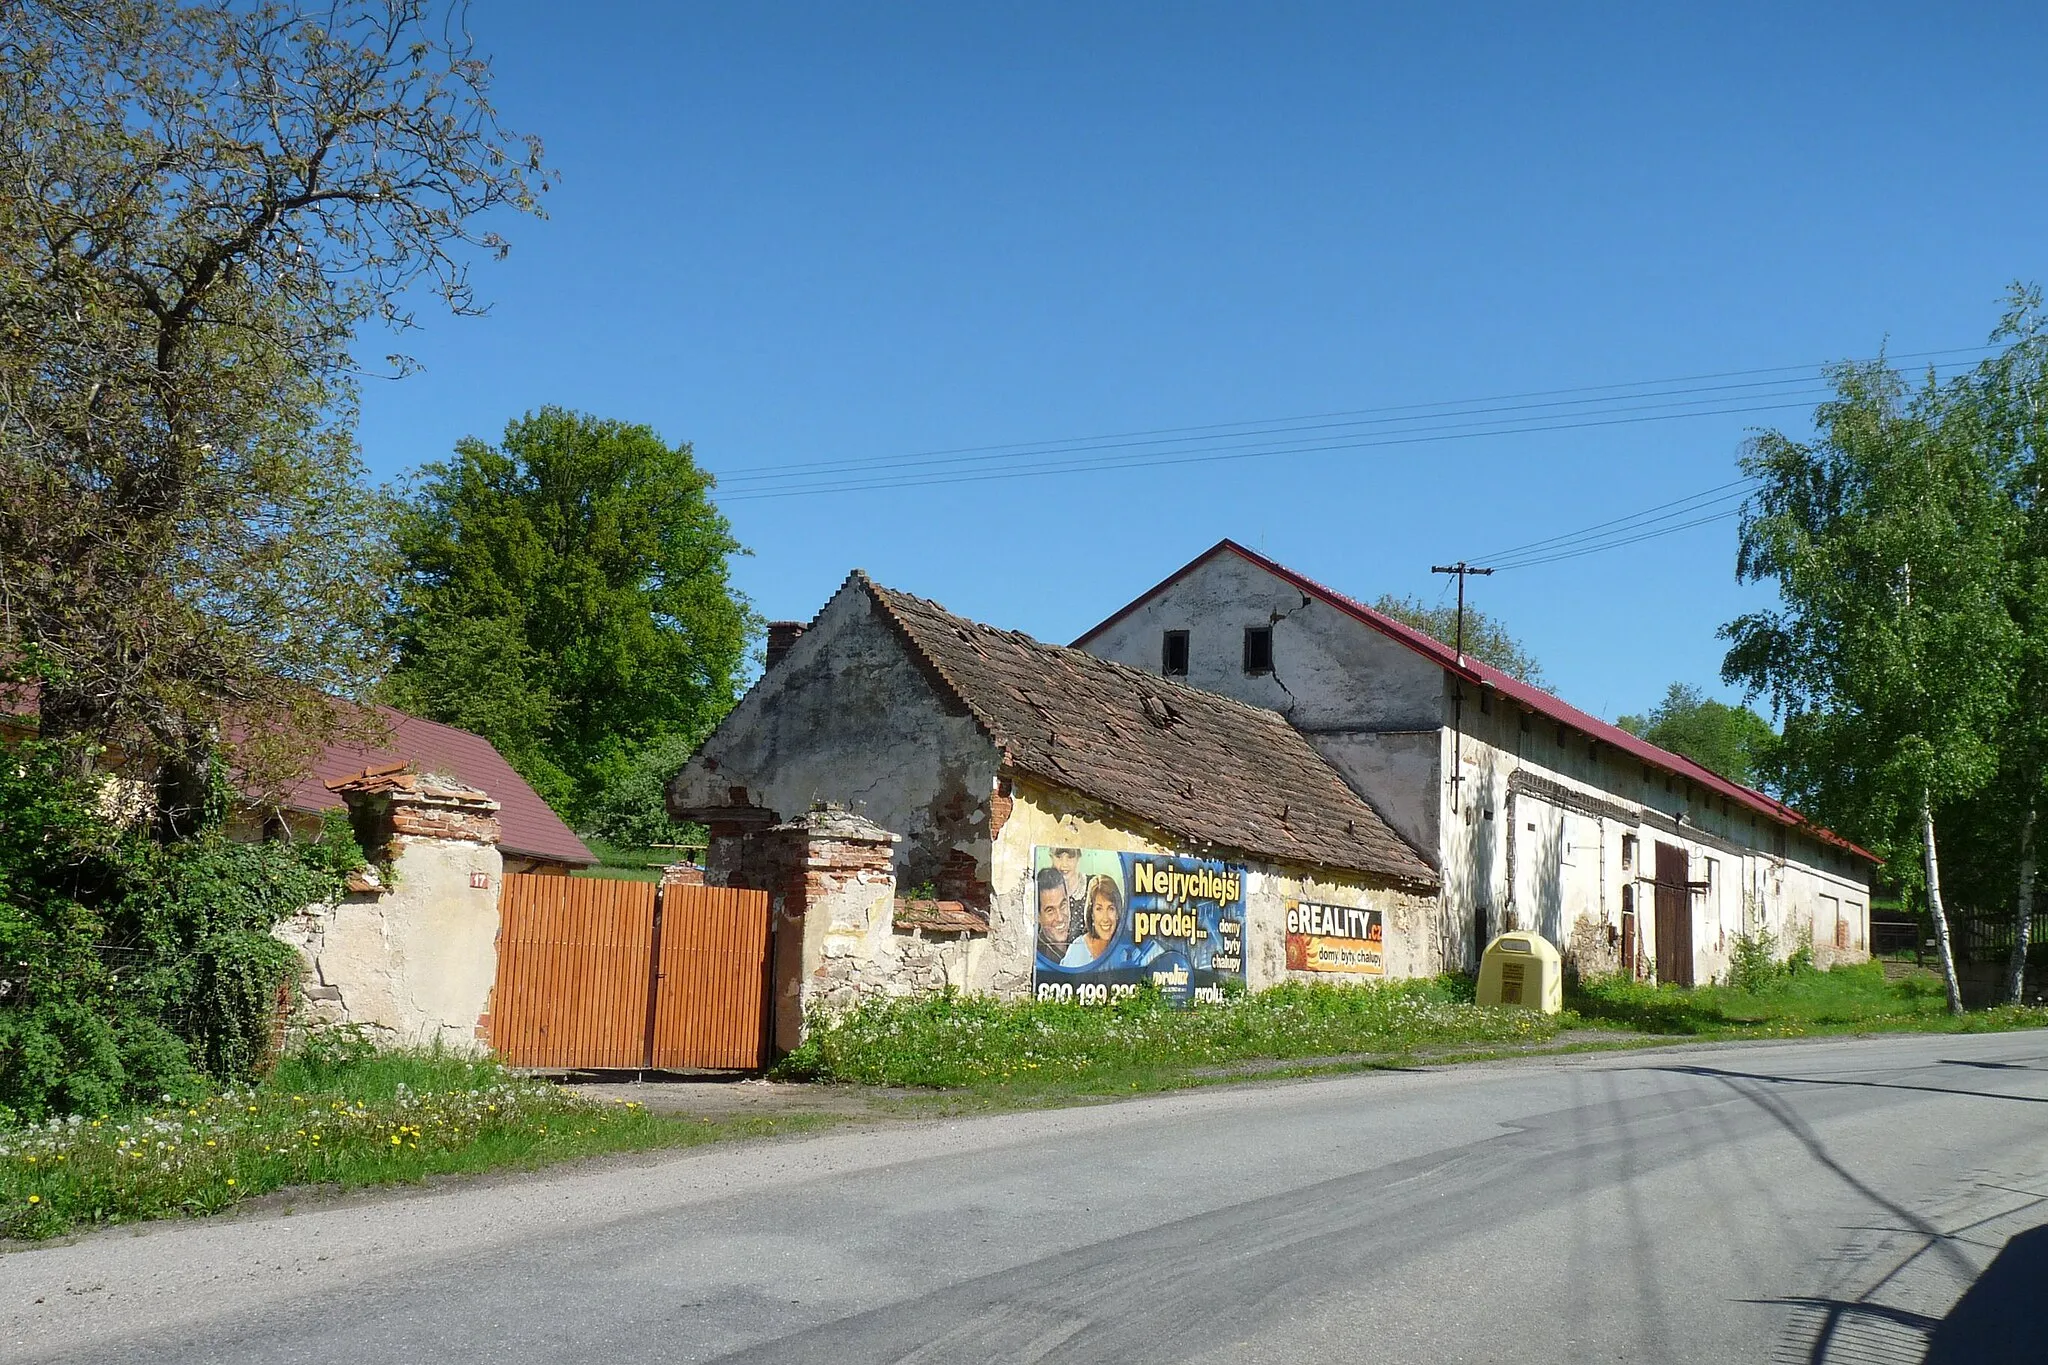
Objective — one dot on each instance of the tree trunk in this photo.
(1934, 910)
(2023, 915)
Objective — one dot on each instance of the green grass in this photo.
(976, 1042)
(346, 1122)
(619, 863)
(1856, 999)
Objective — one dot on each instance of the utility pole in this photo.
(1481, 926)
(1461, 569)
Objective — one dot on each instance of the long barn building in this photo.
(1536, 815)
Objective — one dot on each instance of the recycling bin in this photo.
(1522, 969)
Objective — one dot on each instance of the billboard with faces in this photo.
(1110, 923)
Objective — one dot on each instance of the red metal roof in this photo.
(1534, 698)
(531, 829)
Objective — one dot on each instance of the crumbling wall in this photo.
(847, 716)
(411, 956)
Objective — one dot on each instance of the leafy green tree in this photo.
(1891, 656)
(1486, 639)
(566, 596)
(203, 204)
(1733, 741)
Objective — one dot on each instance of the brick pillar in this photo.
(831, 880)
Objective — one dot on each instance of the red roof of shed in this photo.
(1535, 698)
(531, 829)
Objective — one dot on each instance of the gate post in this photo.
(412, 955)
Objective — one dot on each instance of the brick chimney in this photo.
(781, 635)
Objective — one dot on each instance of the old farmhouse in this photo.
(1537, 815)
(1069, 826)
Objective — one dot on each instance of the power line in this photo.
(1155, 462)
(1295, 435)
(1603, 546)
(1700, 502)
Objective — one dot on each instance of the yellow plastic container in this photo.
(1522, 969)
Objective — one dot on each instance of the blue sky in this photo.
(791, 234)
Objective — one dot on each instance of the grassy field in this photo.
(974, 1042)
(1854, 999)
(362, 1120)
(619, 863)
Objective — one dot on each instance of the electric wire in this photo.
(1298, 435)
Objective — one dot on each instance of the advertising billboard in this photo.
(1334, 938)
(1110, 923)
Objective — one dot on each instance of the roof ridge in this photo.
(1537, 698)
(1149, 681)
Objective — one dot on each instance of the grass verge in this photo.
(1856, 999)
(387, 1118)
(978, 1043)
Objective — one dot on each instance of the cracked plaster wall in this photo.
(849, 717)
(414, 963)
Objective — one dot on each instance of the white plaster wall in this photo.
(416, 962)
(1328, 670)
(848, 717)
(1554, 899)
(1381, 715)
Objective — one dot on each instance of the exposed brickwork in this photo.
(682, 874)
(999, 807)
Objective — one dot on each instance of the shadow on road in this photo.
(1998, 1319)
(1770, 1079)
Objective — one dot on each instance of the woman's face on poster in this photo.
(1102, 914)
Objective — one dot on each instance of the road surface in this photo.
(1856, 1200)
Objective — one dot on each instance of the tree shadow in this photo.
(1998, 1319)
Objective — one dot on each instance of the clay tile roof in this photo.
(1195, 764)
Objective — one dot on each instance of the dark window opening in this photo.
(1258, 649)
(1563, 737)
(1485, 701)
(1173, 658)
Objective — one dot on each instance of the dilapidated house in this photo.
(1088, 827)
(1537, 815)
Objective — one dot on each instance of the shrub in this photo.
(133, 969)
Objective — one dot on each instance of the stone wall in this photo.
(412, 956)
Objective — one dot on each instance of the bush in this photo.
(132, 969)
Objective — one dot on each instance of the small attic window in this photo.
(1485, 701)
(1173, 654)
(1258, 649)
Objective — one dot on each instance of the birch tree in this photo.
(1891, 654)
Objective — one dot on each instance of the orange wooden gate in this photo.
(622, 975)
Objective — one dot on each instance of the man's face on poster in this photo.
(1052, 915)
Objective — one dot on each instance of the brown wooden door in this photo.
(712, 992)
(1674, 916)
(617, 975)
(573, 965)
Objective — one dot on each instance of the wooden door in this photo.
(607, 975)
(573, 971)
(1674, 916)
(1628, 932)
(711, 994)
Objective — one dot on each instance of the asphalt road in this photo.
(1861, 1200)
